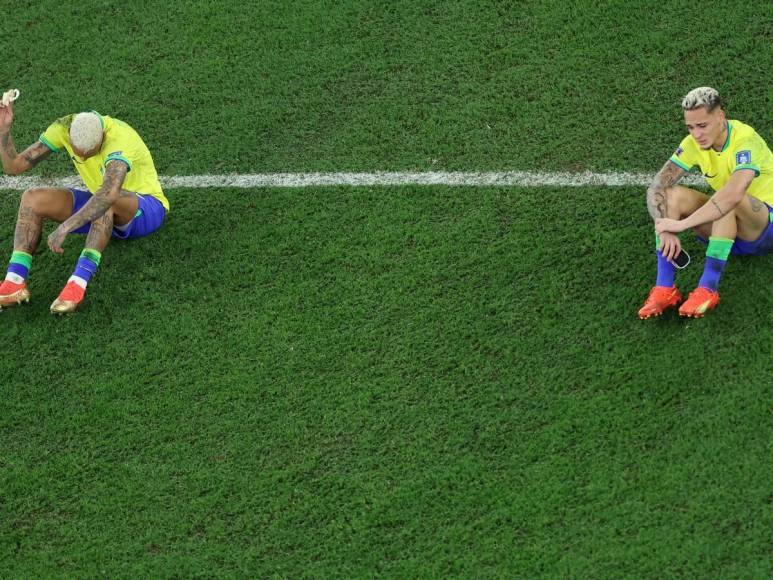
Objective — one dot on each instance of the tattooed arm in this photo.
(100, 202)
(722, 202)
(657, 204)
(657, 196)
(13, 163)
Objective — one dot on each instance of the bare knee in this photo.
(677, 197)
(48, 203)
(752, 217)
(32, 198)
(682, 201)
(672, 201)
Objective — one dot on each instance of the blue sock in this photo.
(716, 258)
(86, 267)
(666, 270)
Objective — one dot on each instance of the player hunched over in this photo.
(124, 198)
(736, 219)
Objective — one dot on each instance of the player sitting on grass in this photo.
(124, 200)
(737, 219)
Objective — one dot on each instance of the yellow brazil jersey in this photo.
(743, 149)
(120, 142)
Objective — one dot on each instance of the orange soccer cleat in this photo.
(69, 299)
(700, 301)
(12, 293)
(660, 298)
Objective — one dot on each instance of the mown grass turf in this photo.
(400, 381)
(361, 85)
(395, 381)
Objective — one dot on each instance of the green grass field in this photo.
(386, 381)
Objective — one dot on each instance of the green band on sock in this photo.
(92, 255)
(719, 248)
(22, 258)
(657, 242)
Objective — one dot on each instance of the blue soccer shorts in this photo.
(149, 217)
(759, 247)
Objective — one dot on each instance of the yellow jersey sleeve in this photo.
(118, 149)
(686, 155)
(122, 143)
(748, 154)
(57, 134)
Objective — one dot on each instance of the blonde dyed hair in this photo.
(702, 97)
(86, 131)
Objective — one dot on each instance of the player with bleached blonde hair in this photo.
(737, 219)
(124, 198)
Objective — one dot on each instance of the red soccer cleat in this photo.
(700, 301)
(69, 299)
(12, 293)
(660, 298)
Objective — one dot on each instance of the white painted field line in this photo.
(454, 178)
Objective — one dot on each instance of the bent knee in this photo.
(752, 218)
(683, 200)
(49, 203)
(681, 193)
(33, 197)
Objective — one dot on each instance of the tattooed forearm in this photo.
(657, 193)
(28, 228)
(719, 209)
(13, 163)
(8, 153)
(36, 153)
(103, 199)
(93, 209)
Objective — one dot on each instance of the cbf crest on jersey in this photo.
(743, 157)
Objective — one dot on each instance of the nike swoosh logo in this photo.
(703, 307)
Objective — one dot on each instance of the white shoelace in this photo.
(10, 96)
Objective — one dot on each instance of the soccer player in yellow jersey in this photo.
(124, 198)
(737, 219)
